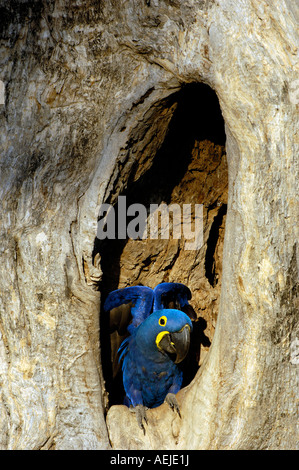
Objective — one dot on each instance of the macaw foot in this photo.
(140, 411)
(173, 403)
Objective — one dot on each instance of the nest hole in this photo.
(176, 155)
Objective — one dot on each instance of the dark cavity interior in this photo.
(176, 155)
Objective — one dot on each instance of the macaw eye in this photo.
(162, 321)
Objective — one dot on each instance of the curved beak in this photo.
(176, 343)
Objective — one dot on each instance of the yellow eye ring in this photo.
(162, 320)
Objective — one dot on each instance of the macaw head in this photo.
(165, 333)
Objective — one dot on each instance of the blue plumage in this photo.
(140, 298)
(149, 373)
(171, 292)
(158, 342)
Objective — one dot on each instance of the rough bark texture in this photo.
(81, 79)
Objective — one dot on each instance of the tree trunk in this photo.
(90, 91)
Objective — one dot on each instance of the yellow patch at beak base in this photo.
(160, 336)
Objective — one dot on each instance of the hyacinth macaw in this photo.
(159, 338)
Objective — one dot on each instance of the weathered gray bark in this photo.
(79, 79)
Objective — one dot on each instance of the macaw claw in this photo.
(173, 403)
(140, 411)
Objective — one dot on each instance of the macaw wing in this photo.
(173, 295)
(128, 307)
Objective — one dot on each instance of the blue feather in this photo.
(141, 298)
(149, 374)
(171, 291)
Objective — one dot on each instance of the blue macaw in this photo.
(158, 341)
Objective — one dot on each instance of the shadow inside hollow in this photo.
(211, 246)
(198, 339)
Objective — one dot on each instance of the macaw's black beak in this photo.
(177, 343)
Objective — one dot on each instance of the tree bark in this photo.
(79, 79)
